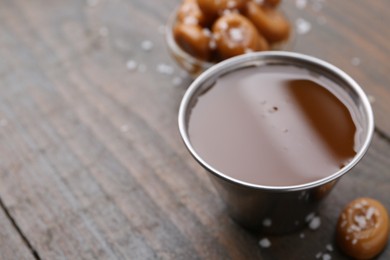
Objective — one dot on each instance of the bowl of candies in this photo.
(201, 33)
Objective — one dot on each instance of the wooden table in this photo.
(92, 165)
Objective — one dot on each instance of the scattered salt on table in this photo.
(147, 45)
(131, 65)
(303, 26)
(265, 243)
(315, 223)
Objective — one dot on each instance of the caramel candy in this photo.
(193, 39)
(363, 228)
(268, 21)
(234, 35)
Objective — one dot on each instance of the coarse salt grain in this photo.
(190, 20)
(315, 223)
(236, 34)
(206, 32)
(267, 222)
(231, 4)
(354, 241)
(326, 257)
(302, 235)
(212, 44)
(165, 69)
(265, 243)
(310, 217)
(318, 255)
(329, 247)
(147, 45)
(303, 26)
(361, 220)
(300, 4)
(131, 65)
(370, 211)
(223, 25)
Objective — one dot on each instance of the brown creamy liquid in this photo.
(277, 128)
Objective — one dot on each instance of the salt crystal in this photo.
(223, 25)
(315, 223)
(318, 255)
(355, 61)
(147, 45)
(124, 128)
(131, 65)
(103, 31)
(177, 81)
(236, 34)
(303, 26)
(329, 247)
(354, 241)
(165, 69)
(206, 32)
(190, 20)
(326, 257)
(302, 235)
(259, 2)
(361, 220)
(212, 44)
(267, 222)
(371, 99)
(370, 212)
(300, 4)
(265, 243)
(310, 217)
(231, 4)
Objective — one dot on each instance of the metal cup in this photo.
(277, 209)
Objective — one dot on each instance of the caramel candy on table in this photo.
(193, 39)
(268, 21)
(363, 228)
(235, 34)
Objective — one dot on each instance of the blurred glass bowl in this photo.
(195, 66)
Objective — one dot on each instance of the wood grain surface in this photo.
(91, 162)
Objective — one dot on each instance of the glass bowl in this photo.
(194, 66)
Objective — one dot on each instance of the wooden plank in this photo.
(92, 163)
(12, 245)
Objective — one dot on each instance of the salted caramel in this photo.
(363, 228)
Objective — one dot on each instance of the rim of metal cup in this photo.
(231, 64)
